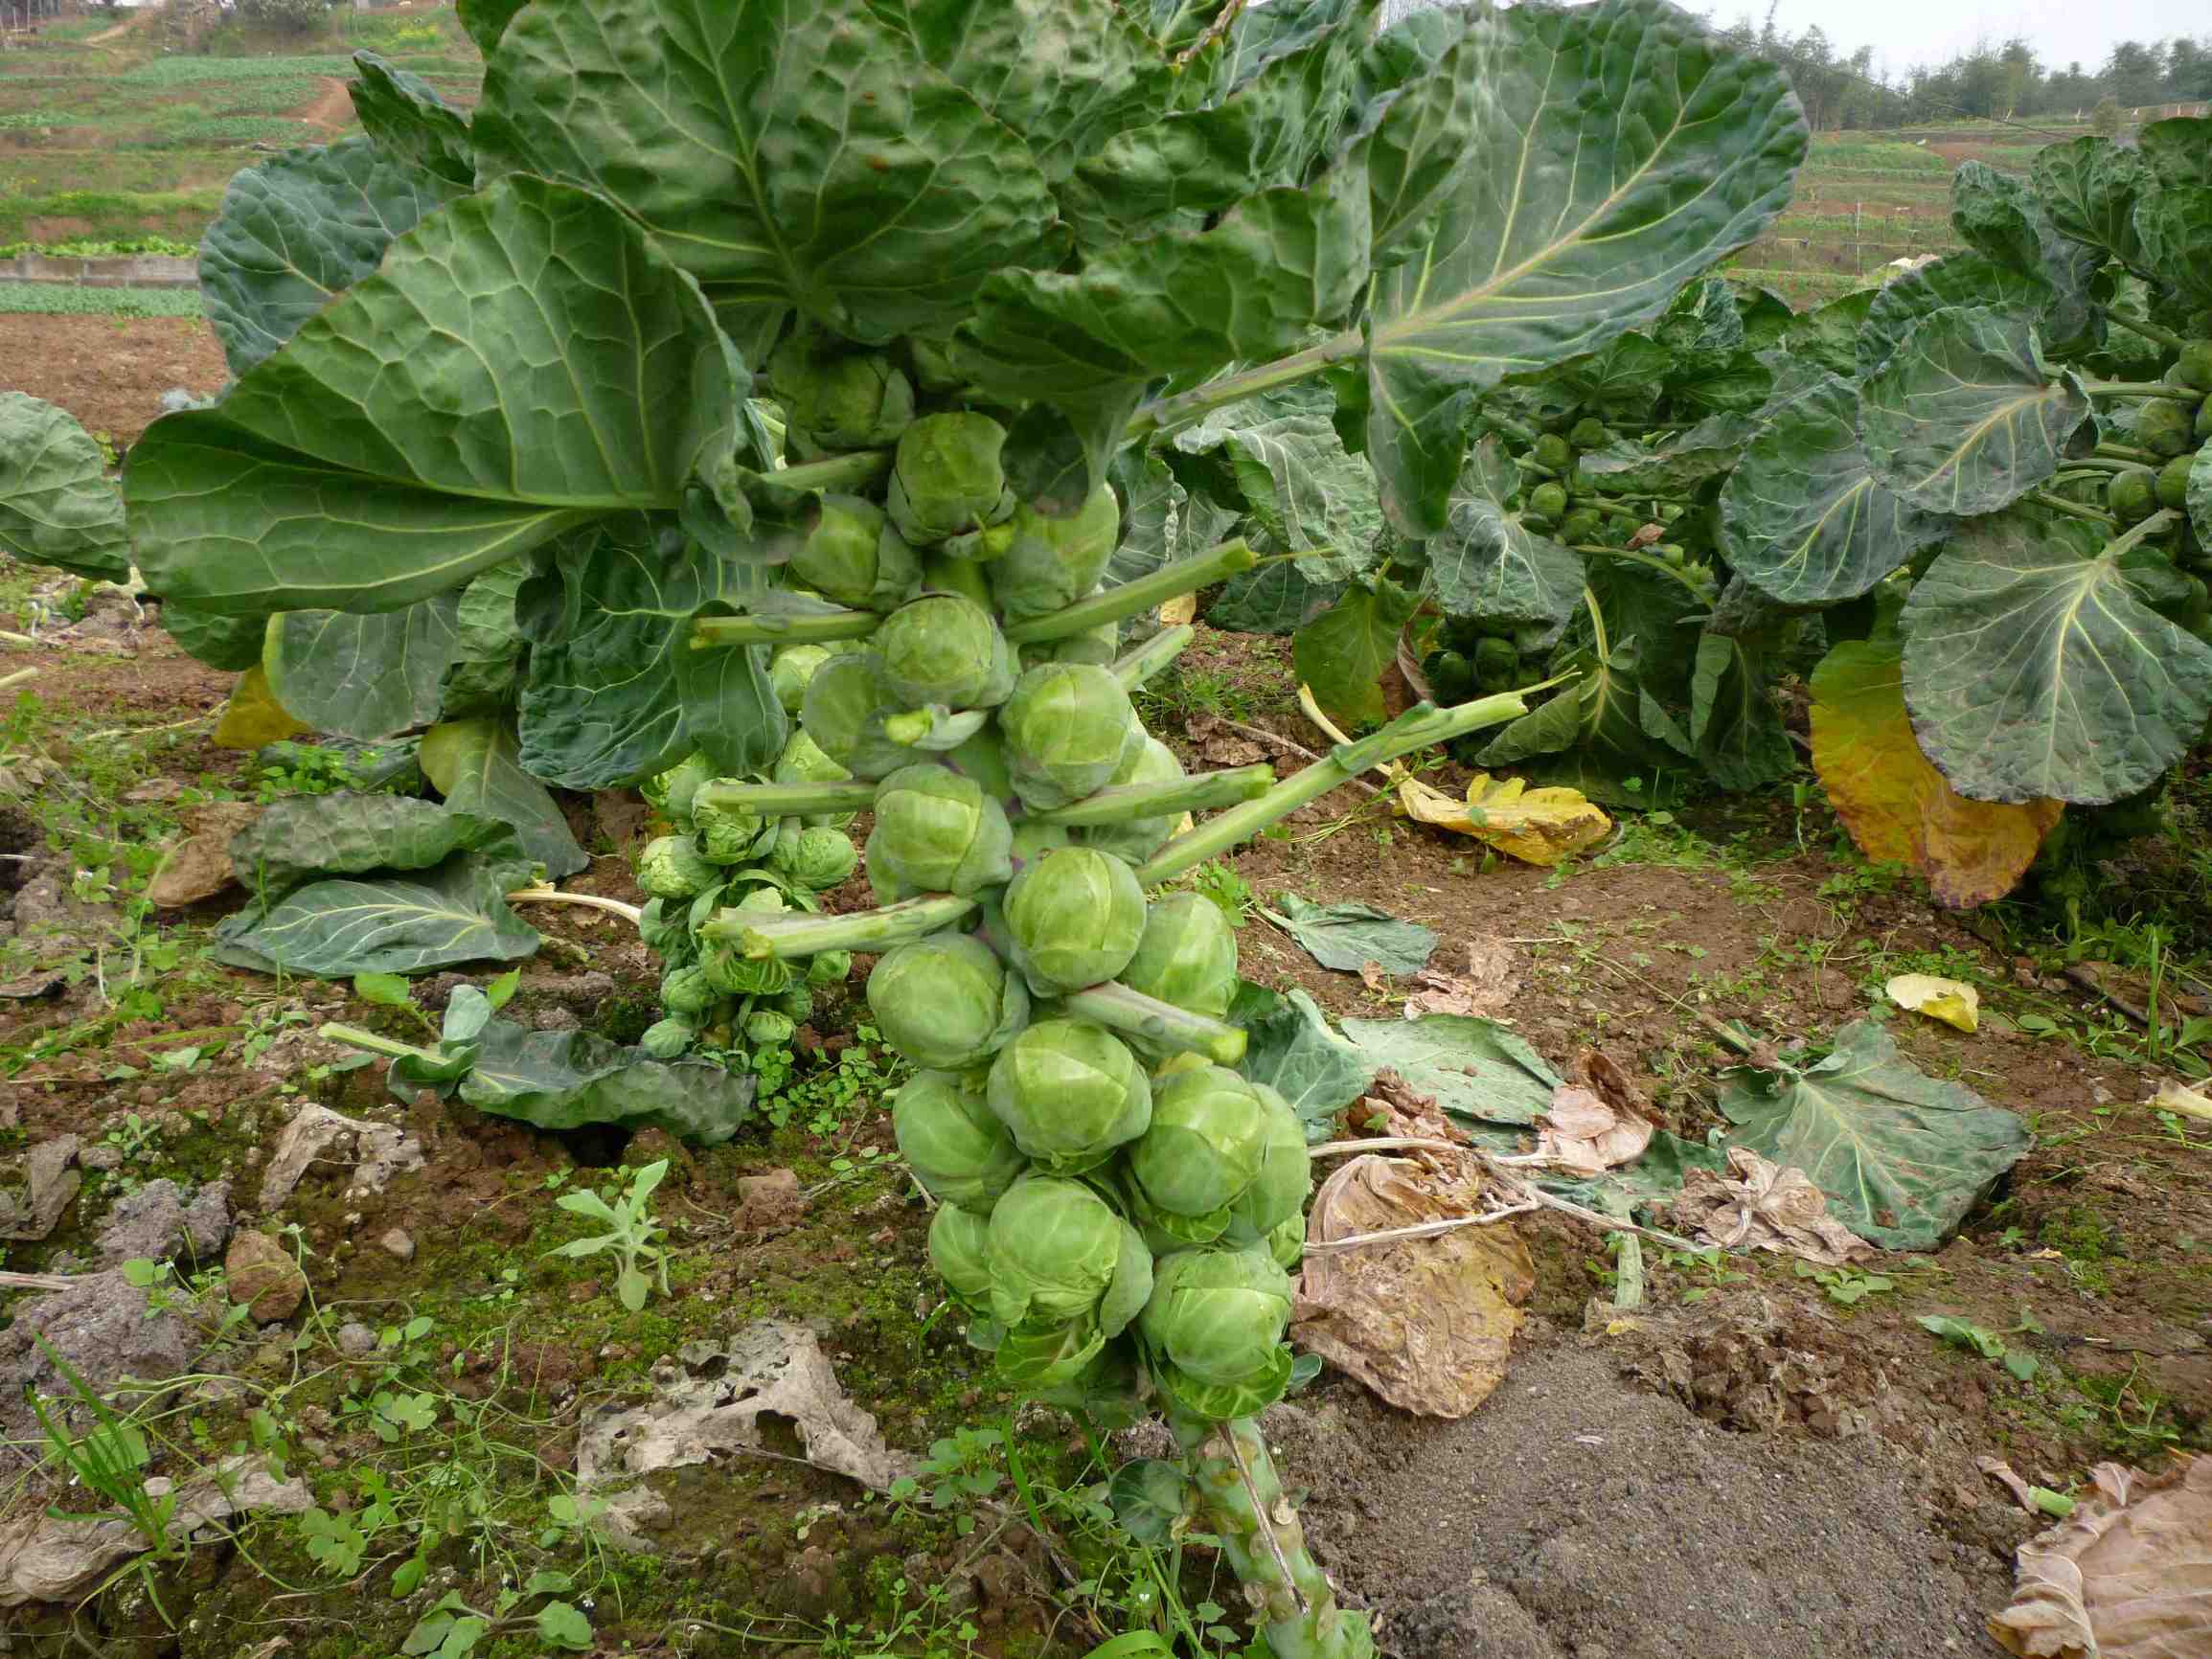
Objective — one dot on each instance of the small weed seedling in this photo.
(1221, 883)
(1846, 1285)
(631, 1234)
(1989, 1344)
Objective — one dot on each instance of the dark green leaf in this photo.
(1966, 416)
(1342, 653)
(1304, 493)
(1596, 723)
(1277, 598)
(1996, 214)
(1676, 464)
(1290, 1048)
(1802, 517)
(2174, 226)
(1734, 723)
(1475, 1069)
(2178, 149)
(362, 676)
(1570, 219)
(1954, 281)
(486, 20)
(1413, 153)
(1151, 1496)
(56, 504)
(1487, 564)
(1347, 937)
(410, 122)
(1828, 335)
(475, 766)
(1901, 1156)
(565, 1080)
(232, 644)
(2032, 667)
(800, 155)
(1625, 379)
(339, 926)
(1768, 317)
(347, 835)
(295, 232)
(2089, 187)
(2198, 495)
(524, 363)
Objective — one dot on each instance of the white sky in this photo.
(1904, 32)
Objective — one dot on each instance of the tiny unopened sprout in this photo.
(672, 866)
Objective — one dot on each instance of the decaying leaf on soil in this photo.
(1535, 825)
(2127, 1575)
(1951, 1001)
(1597, 1119)
(1760, 1206)
(48, 1183)
(380, 1153)
(1483, 987)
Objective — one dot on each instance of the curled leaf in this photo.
(1535, 826)
(1948, 1000)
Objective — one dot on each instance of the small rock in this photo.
(100, 1158)
(395, 1241)
(557, 1019)
(146, 1225)
(207, 1220)
(355, 1340)
(769, 1202)
(263, 1278)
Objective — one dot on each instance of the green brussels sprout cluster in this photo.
(718, 856)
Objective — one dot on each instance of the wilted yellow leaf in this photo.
(253, 717)
(1181, 610)
(1535, 826)
(1944, 999)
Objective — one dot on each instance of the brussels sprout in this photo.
(1067, 727)
(2162, 427)
(1287, 1243)
(1497, 665)
(1278, 1191)
(1581, 526)
(947, 1002)
(1589, 433)
(1151, 761)
(1050, 563)
(671, 790)
(1098, 645)
(2203, 428)
(816, 858)
(667, 1038)
(790, 668)
(1554, 451)
(1187, 956)
(731, 974)
(731, 835)
(829, 967)
(2133, 495)
(846, 706)
(943, 648)
(1059, 1253)
(947, 477)
(960, 1250)
(1217, 1315)
(2174, 480)
(854, 556)
(1207, 1140)
(670, 867)
(956, 1147)
(663, 926)
(942, 573)
(797, 1003)
(1548, 500)
(840, 399)
(1075, 917)
(2193, 367)
(1069, 1092)
(765, 1028)
(937, 831)
(687, 991)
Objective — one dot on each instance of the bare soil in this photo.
(108, 372)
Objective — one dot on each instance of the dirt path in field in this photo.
(108, 372)
(332, 107)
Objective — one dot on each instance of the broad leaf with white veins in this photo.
(453, 912)
(475, 765)
(1619, 152)
(296, 232)
(1966, 416)
(1802, 519)
(2033, 668)
(1489, 564)
(1961, 278)
(524, 363)
(362, 676)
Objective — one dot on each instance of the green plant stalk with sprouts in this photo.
(886, 401)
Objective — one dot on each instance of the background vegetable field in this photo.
(1153, 829)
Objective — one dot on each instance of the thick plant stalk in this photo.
(1127, 802)
(1242, 1502)
(1421, 726)
(1120, 1009)
(824, 627)
(1134, 597)
(391, 1047)
(759, 935)
(1135, 668)
(2142, 389)
(1189, 408)
(787, 800)
(854, 470)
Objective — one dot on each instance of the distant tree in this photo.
(287, 16)
(2135, 74)
(2105, 119)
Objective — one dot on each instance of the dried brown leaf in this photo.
(1586, 1133)
(2127, 1575)
(1483, 990)
(1761, 1206)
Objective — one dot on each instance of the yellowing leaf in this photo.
(1181, 610)
(1535, 826)
(1898, 806)
(2175, 1097)
(1944, 999)
(253, 717)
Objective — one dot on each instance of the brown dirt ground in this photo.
(108, 372)
(331, 107)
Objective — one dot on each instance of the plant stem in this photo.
(2142, 389)
(852, 470)
(1421, 726)
(2158, 524)
(1658, 565)
(18, 677)
(2128, 452)
(788, 800)
(2148, 330)
(1189, 408)
(1135, 668)
(760, 935)
(1134, 597)
(1127, 803)
(2072, 509)
(1241, 1501)
(1123, 1009)
(2100, 462)
(353, 1036)
(710, 631)
(629, 913)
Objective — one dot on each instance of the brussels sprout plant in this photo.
(805, 357)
